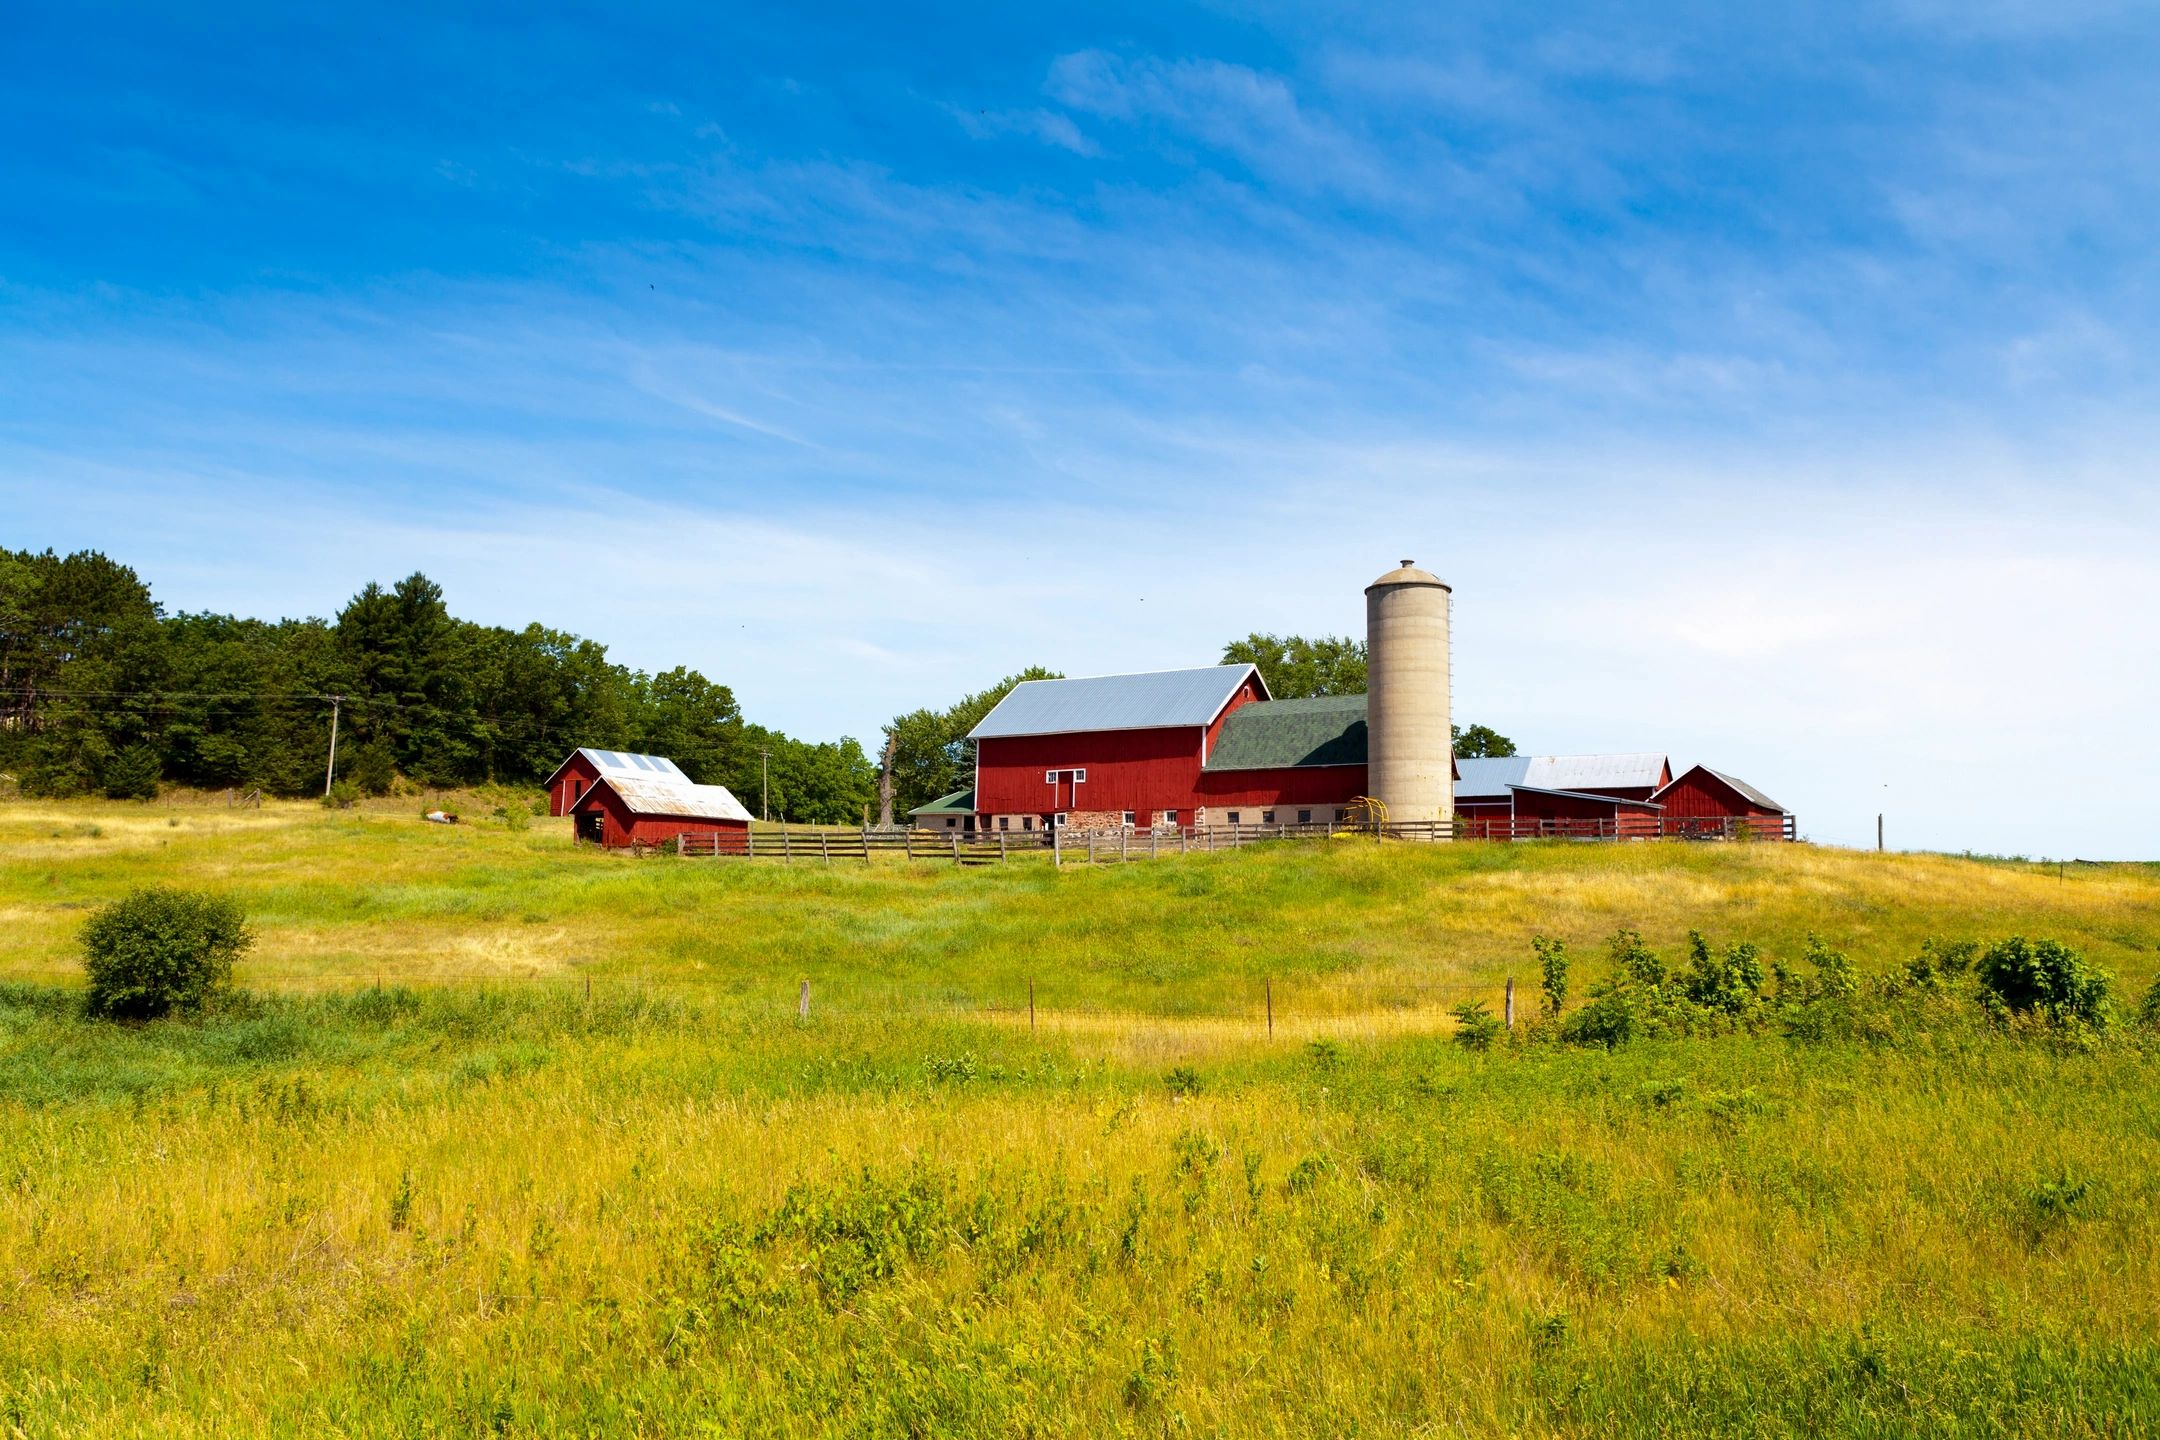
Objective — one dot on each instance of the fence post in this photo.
(1269, 984)
(1031, 1007)
(956, 848)
(1182, 836)
(1001, 847)
(802, 1002)
(910, 833)
(1511, 1002)
(1124, 837)
(1091, 847)
(787, 850)
(1057, 844)
(1154, 837)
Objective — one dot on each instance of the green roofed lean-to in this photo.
(1285, 734)
(960, 802)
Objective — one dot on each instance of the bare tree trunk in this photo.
(884, 784)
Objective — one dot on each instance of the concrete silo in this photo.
(1410, 746)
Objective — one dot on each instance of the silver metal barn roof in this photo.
(612, 763)
(1493, 778)
(1490, 778)
(676, 799)
(1158, 700)
(1595, 772)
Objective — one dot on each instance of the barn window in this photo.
(951, 822)
(1080, 777)
(1341, 814)
(1049, 777)
(1304, 817)
(1004, 822)
(1128, 818)
(1267, 817)
(1234, 819)
(1027, 822)
(1168, 817)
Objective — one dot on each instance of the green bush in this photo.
(2045, 978)
(132, 774)
(1476, 1027)
(161, 950)
(1553, 971)
(1607, 1022)
(343, 796)
(2149, 1008)
(1731, 982)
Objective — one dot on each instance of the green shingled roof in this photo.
(960, 802)
(1284, 734)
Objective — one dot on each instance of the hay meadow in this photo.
(502, 1138)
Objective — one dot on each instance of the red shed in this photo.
(576, 775)
(619, 811)
(1710, 801)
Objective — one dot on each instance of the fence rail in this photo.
(816, 845)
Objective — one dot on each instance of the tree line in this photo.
(103, 692)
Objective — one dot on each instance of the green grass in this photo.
(456, 1207)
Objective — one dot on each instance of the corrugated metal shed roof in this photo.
(1489, 778)
(1595, 772)
(1747, 790)
(622, 762)
(1157, 700)
(960, 802)
(646, 795)
(1287, 734)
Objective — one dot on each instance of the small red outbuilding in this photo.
(1707, 801)
(617, 811)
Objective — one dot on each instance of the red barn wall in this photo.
(1146, 772)
(1127, 770)
(570, 787)
(1303, 785)
(1699, 796)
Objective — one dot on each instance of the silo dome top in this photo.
(1408, 574)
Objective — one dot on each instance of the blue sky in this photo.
(1775, 389)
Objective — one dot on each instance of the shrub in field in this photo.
(1635, 960)
(1476, 1027)
(161, 950)
(1730, 982)
(1553, 972)
(2149, 1008)
(2045, 978)
(1939, 964)
(132, 774)
(1183, 1081)
(343, 796)
(1607, 1022)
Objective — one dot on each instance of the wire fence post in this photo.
(1511, 1002)
(1268, 988)
(802, 1002)
(1031, 1007)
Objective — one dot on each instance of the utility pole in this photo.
(764, 769)
(330, 776)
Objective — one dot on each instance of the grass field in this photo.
(396, 1191)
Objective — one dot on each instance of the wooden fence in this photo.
(814, 845)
